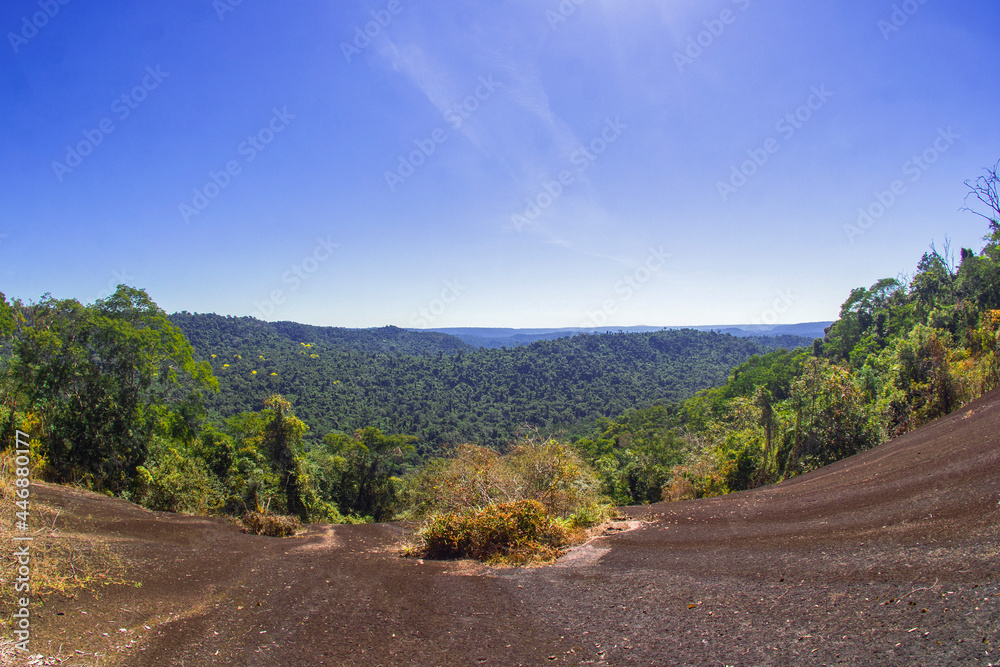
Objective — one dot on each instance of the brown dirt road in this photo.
(886, 558)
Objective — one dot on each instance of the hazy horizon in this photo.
(650, 327)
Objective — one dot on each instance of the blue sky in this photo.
(490, 163)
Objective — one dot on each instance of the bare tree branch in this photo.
(986, 189)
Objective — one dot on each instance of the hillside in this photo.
(440, 389)
(206, 330)
(887, 558)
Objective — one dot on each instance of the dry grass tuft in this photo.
(271, 525)
(60, 562)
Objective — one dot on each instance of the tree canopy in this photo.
(94, 377)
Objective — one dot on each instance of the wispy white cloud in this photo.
(522, 132)
(446, 83)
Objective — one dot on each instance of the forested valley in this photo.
(442, 391)
(211, 414)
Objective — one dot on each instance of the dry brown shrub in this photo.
(555, 475)
(515, 533)
(270, 525)
(548, 471)
(474, 476)
(520, 508)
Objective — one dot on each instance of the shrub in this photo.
(271, 525)
(592, 514)
(176, 483)
(553, 474)
(513, 509)
(549, 472)
(702, 476)
(473, 477)
(507, 533)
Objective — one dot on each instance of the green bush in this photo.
(175, 483)
(507, 533)
(271, 525)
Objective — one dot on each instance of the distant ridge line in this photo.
(507, 336)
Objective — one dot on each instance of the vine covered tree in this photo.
(283, 443)
(368, 485)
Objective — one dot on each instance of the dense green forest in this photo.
(116, 398)
(212, 331)
(202, 413)
(444, 392)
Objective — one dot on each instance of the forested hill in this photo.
(482, 396)
(204, 330)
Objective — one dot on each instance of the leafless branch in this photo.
(986, 189)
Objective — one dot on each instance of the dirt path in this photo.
(887, 558)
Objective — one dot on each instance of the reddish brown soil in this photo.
(887, 558)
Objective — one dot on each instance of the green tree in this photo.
(174, 482)
(764, 401)
(924, 373)
(6, 317)
(237, 456)
(283, 443)
(369, 486)
(9, 418)
(96, 374)
(933, 285)
(832, 419)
